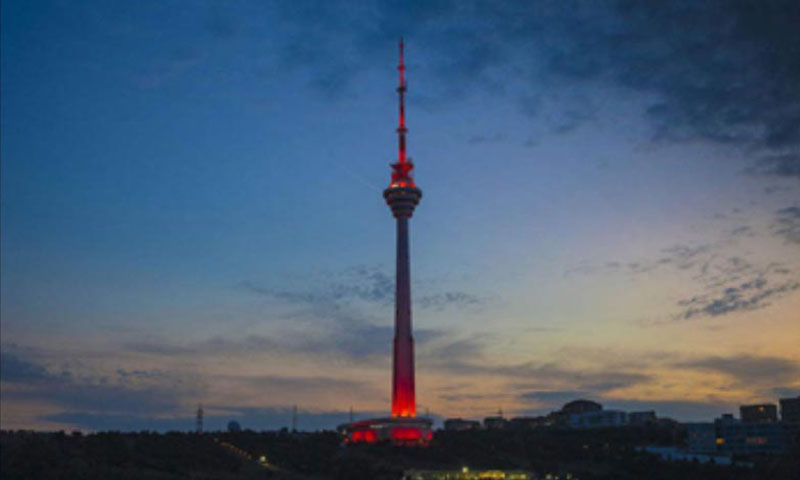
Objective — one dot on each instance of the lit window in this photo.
(756, 440)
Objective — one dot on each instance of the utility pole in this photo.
(199, 425)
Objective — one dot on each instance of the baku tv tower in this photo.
(402, 196)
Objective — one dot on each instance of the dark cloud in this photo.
(726, 72)
(353, 341)
(728, 283)
(742, 231)
(357, 284)
(440, 301)
(159, 400)
(136, 391)
(455, 353)
(554, 398)
(467, 357)
(301, 386)
(681, 257)
(771, 189)
(787, 224)
(749, 370)
(471, 397)
(786, 392)
(360, 283)
(587, 381)
(14, 369)
(749, 295)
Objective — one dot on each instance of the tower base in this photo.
(403, 431)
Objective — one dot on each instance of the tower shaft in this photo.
(402, 196)
(403, 397)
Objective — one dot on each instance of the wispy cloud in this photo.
(727, 283)
(787, 224)
(749, 295)
(121, 391)
(357, 284)
(354, 342)
(749, 371)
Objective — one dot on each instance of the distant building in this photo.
(581, 406)
(790, 410)
(701, 437)
(528, 423)
(557, 419)
(748, 438)
(642, 418)
(790, 416)
(233, 426)
(460, 425)
(725, 418)
(599, 419)
(763, 413)
(495, 423)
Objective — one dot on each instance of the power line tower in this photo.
(294, 418)
(199, 424)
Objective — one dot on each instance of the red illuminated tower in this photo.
(402, 196)
(403, 427)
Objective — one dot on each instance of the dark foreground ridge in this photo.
(602, 454)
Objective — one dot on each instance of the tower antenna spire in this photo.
(401, 90)
(401, 174)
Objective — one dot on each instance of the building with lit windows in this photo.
(460, 425)
(642, 418)
(701, 437)
(495, 423)
(749, 438)
(528, 423)
(598, 419)
(764, 413)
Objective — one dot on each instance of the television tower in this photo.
(402, 196)
(404, 427)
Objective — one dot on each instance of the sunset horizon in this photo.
(193, 211)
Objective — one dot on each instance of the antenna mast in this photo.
(401, 174)
(199, 425)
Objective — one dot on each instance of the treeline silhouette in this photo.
(587, 455)
(113, 455)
